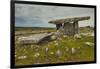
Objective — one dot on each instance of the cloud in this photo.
(39, 15)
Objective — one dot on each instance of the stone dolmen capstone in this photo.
(68, 25)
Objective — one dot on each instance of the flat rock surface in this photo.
(33, 38)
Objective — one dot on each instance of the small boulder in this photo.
(15, 55)
(66, 49)
(60, 39)
(53, 37)
(22, 57)
(32, 46)
(64, 36)
(58, 53)
(46, 50)
(56, 43)
(73, 50)
(89, 43)
(78, 48)
(37, 63)
(77, 36)
(51, 53)
(36, 54)
(92, 34)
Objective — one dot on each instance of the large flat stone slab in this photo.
(36, 38)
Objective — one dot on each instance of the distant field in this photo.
(32, 30)
(57, 51)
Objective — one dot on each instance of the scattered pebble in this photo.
(53, 37)
(84, 34)
(77, 36)
(15, 55)
(87, 34)
(73, 50)
(22, 57)
(37, 55)
(51, 53)
(64, 36)
(78, 47)
(24, 50)
(67, 49)
(56, 43)
(31, 46)
(89, 43)
(59, 39)
(58, 53)
(92, 34)
(46, 50)
(37, 63)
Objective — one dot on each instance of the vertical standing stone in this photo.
(68, 29)
(66, 26)
(76, 27)
(72, 29)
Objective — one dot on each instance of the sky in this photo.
(28, 15)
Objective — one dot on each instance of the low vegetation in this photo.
(64, 49)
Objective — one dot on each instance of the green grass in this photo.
(82, 53)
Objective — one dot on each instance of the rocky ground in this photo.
(60, 50)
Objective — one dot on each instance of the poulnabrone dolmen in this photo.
(69, 26)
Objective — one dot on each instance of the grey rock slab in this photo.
(36, 38)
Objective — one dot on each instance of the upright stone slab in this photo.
(69, 29)
(76, 30)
